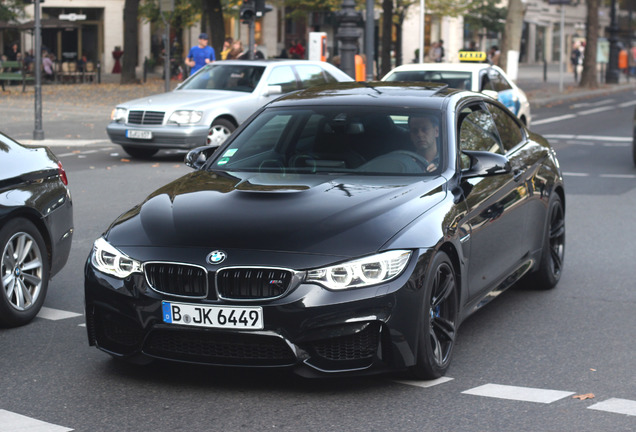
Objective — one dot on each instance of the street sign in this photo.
(72, 17)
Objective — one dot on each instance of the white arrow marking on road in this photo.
(525, 394)
(615, 405)
(425, 384)
(55, 314)
(16, 422)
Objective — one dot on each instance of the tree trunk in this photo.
(387, 27)
(512, 32)
(217, 25)
(129, 59)
(399, 54)
(588, 77)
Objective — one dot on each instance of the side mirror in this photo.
(491, 94)
(273, 90)
(485, 164)
(197, 157)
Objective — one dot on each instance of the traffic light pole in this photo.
(250, 49)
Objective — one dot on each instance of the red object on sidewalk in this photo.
(117, 55)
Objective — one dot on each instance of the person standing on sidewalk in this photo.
(200, 55)
(576, 59)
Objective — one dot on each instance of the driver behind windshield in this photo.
(424, 134)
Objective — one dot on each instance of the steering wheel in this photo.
(420, 160)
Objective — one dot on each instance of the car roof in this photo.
(398, 94)
(267, 62)
(468, 67)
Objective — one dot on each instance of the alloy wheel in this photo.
(22, 271)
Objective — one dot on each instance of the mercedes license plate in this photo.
(228, 317)
(138, 134)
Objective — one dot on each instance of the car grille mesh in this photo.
(145, 117)
(217, 348)
(177, 279)
(252, 283)
(361, 345)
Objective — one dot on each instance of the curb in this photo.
(559, 98)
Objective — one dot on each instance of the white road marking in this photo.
(589, 104)
(619, 176)
(55, 314)
(553, 119)
(424, 384)
(615, 405)
(595, 110)
(573, 174)
(12, 422)
(627, 104)
(525, 394)
(588, 137)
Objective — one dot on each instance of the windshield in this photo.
(454, 79)
(337, 139)
(218, 76)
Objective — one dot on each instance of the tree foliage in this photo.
(488, 14)
(11, 9)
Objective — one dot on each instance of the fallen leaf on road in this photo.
(76, 151)
(155, 165)
(584, 396)
(593, 370)
(125, 160)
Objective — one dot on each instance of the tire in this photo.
(220, 130)
(140, 153)
(24, 269)
(551, 265)
(438, 325)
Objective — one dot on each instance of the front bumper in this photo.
(163, 137)
(315, 331)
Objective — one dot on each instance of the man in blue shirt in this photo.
(200, 55)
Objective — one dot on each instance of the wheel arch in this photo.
(449, 249)
(228, 117)
(33, 217)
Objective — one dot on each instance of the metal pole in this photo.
(420, 58)
(38, 132)
(252, 39)
(166, 62)
(368, 39)
(612, 74)
(562, 48)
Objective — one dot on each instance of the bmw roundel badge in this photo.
(216, 257)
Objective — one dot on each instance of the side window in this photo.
(284, 77)
(310, 75)
(477, 131)
(498, 81)
(509, 130)
(485, 83)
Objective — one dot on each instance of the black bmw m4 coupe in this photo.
(342, 229)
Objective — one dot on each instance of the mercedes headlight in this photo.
(119, 114)
(184, 117)
(362, 272)
(109, 260)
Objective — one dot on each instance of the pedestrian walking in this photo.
(200, 55)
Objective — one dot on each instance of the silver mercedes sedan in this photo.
(207, 107)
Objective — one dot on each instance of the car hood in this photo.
(183, 99)
(331, 215)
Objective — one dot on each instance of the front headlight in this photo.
(119, 114)
(185, 117)
(109, 260)
(362, 272)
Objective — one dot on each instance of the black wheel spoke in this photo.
(557, 229)
(445, 327)
(556, 258)
(444, 289)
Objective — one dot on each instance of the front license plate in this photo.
(232, 317)
(138, 134)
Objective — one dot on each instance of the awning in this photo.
(49, 23)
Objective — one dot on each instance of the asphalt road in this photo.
(517, 364)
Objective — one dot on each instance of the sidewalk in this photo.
(542, 87)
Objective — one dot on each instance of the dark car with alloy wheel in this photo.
(207, 107)
(36, 227)
(321, 238)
